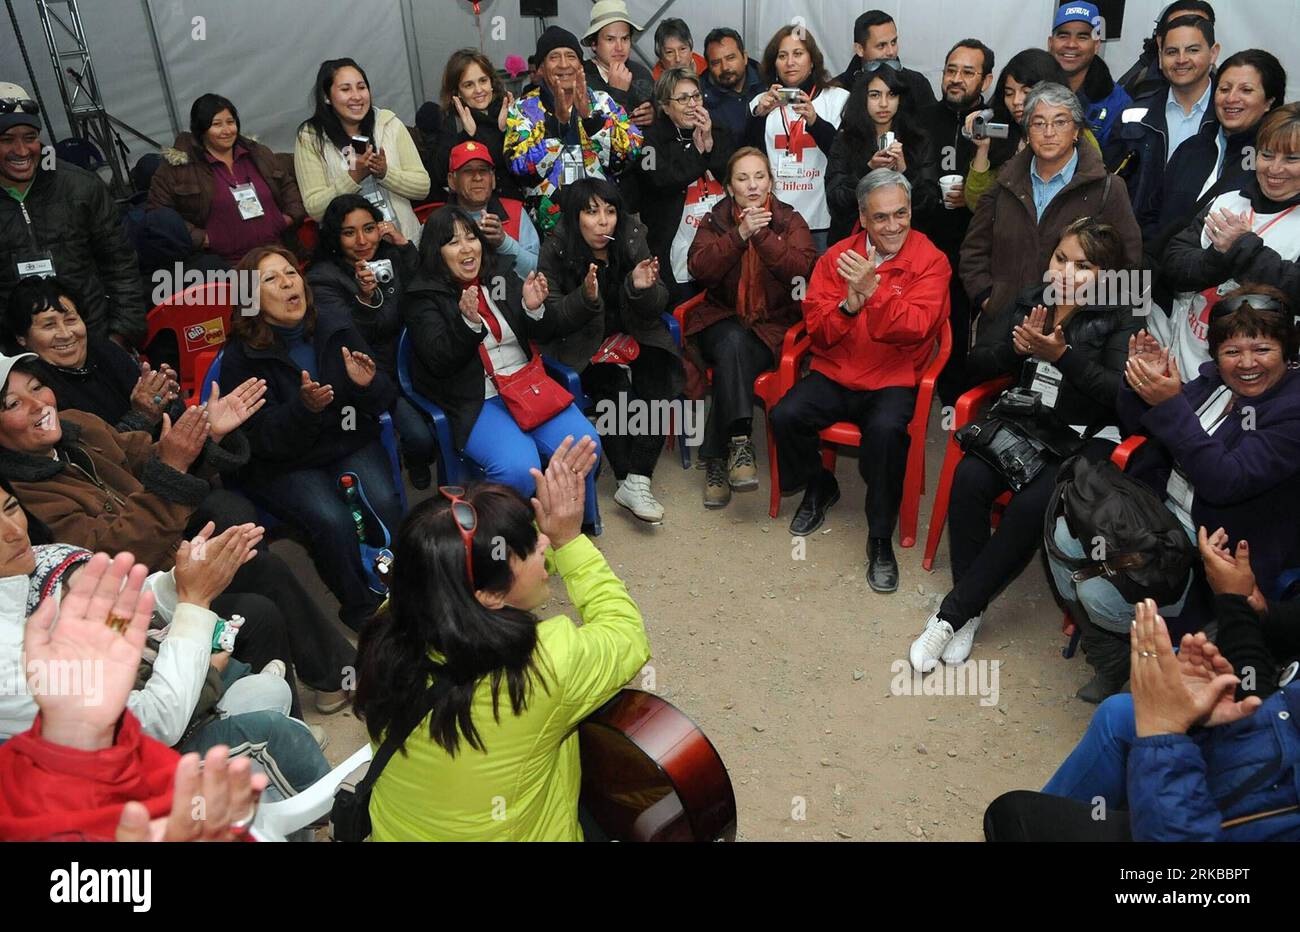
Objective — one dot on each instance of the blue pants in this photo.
(309, 499)
(506, 453)
(284, 749)
(1097, 765)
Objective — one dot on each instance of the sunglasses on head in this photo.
(22, 104)
(466, 518)
(1260, 302)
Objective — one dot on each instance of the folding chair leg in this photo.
(774, 479)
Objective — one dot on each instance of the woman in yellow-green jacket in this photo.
(497, 757)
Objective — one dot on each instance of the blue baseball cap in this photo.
(1077, 13)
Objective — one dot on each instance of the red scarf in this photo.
(484, 311)
(751, 293)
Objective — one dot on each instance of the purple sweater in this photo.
(1246, 476)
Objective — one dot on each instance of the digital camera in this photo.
(383, 269)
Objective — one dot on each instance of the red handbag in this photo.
(618, 348)
(531, 396)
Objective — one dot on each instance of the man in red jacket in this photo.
(874, 307)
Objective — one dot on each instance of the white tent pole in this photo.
(161, 64)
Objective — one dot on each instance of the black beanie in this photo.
(556, 38)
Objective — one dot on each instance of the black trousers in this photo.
(287, 624)
(738, 357)
(983, 561)
(882, 416)
(953, 381)
(649, 380)
(1023, 815)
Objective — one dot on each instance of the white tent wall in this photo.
(264, 55)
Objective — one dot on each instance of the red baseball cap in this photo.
(468, 152)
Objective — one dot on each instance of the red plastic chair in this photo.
(846, 433)
(424, 210)
(768, 388)
(198, 318)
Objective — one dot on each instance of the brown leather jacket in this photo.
(183, 182)
(788, 253)
(109, 491)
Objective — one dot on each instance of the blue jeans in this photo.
(1097, 765)
(506, 453)
(282, 747)
(309, 499)
(414, 432)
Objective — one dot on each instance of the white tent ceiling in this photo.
(263, 54)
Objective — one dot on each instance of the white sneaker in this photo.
(322, 738)
(958, 648)
(927, 648)
(276, 668)
(634, 495)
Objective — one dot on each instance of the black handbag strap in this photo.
(397, 736)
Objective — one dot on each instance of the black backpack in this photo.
(1147, 553)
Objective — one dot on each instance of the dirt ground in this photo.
(788, 664)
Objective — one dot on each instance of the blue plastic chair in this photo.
(387, 436)
(456, 469)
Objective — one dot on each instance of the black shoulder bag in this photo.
(350, 816)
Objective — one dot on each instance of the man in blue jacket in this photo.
(731, 81)
(1076, 38)
(1153, 128)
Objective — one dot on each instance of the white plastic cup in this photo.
(948, 184)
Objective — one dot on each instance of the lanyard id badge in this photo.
(32, 264)
(250, 207)
(1047, 382)
(572, 167)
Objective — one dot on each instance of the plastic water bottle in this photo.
(353, 501)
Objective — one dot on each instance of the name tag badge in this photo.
(41, 266)
(250, 208)
(1047, 382)
(787, 166)
(573, 167)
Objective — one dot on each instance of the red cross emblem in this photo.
(796, 142)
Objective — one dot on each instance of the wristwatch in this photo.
(844, 309)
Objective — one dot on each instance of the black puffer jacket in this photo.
(1093, 366)
(334, 285)
(73, 217)
(445, 363)
(849, 160)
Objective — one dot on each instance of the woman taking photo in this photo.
(879, 130)
(231, 191)
(324, 396)
(362, 265)
(348, 147)
(467, 308)
(597, 260)
(87, 373)
(1069, 352)
(749, 248)
(795, 121)
(1015, 81)
(682, 184)
(482, 696)
(474, 106)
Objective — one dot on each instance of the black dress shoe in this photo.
(882, 568)
(822, 493)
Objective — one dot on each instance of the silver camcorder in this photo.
(983, 127)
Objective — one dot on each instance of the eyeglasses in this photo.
(25, 104)
(688, 98)
(1059, 125)
(466, 518)
(952, 71)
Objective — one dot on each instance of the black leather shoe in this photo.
(882, 568)
(822, 493)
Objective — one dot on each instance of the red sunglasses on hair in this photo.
(466, 518)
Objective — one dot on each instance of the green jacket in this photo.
(525, 786)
